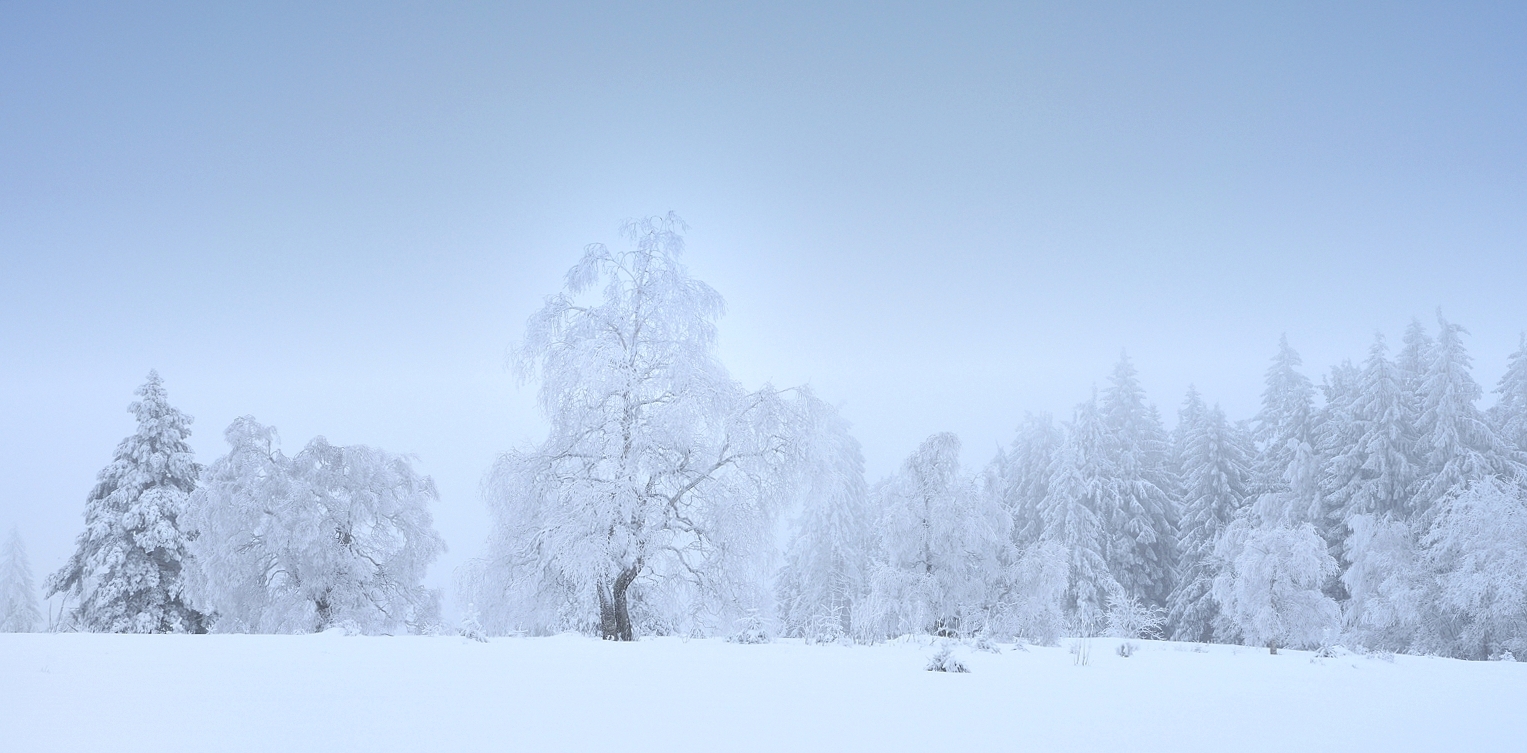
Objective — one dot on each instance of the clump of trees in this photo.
(255, 542)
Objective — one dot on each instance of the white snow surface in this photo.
(331, 692)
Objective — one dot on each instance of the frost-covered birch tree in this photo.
(126, 574)
(335, 536)
(654, 496)
(942, 548)
(19, 612)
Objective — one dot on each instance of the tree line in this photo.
(1381, 508)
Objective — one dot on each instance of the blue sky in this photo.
(337, 219)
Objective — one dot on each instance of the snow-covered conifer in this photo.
(333, 535)
(1021, 476)
(1286, 472)
(653, 499)
(1370, 468)
(1081, 493)
(1215, 470)
(1456, 445)
(1510, 413)
(125, 575)
(1142, 516)
(19, 612)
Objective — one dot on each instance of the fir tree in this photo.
(126, 573)
(19, 612)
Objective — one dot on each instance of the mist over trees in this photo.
(1381, 506)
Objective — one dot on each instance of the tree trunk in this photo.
(614, 608)
(1272, 647)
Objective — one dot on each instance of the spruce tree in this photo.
(1143, 518)
(1370, 467)
(1456, 445)
(19, 612)
(1080, 492)
(1510, 414)
(1286, 472)
(125, 575)
(1215, 469)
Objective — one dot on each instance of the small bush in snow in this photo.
(752, 631)
(1126, 649)
(982, 643)
(944, 661)
(471, 627)
(1504, 655)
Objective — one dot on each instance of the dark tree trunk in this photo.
(614, 608)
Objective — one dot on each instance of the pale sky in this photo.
(939, 216)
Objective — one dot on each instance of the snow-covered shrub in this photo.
(1128, 618)
(750, 631)
(471, 627)
(982, 643)
(945, 661)
(1126, 649)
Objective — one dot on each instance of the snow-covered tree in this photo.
(1020, 476)
(1478, 547)
(19, 612)
(824, 574)
(1391, 584)
(653, 499)
(1271, 590)
(1081, 493)
(125, 575)
(1215, 468)
(942, 548)
(1370, 466)
(334, 536)
(1142, 517)
(1510, 413)
(1456, 445)
(1286, 473)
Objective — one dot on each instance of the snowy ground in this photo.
(335, 693)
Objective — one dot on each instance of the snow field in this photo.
(329, 692)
